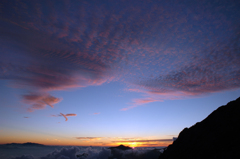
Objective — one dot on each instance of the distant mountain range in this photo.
(217, 136)
(24, 144)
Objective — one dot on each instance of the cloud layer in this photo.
(97, 153)
(165, 51)
(64, 153)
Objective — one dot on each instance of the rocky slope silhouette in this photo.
(217, 136)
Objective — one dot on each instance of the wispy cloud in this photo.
(64, 115)
(39, 101)
(66, 119)
(55, 115)
(89, 138)
(138, 102)
(71, 114)
(156, 140)
(96, 113)
(67, 115)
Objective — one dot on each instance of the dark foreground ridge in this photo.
(217, 136)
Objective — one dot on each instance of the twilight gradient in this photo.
(93, 61)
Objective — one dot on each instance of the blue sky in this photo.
(102, 73)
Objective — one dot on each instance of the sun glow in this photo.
(133, 144)
(130, 144)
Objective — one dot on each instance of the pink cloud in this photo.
(155, 95)
(166, 58)
(66, 115)
(39, 101)
(127, 108)
(66, 119)
(71, 114)
(96, 113)
(138, 102)
(144, 101)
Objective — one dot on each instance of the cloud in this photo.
(89, 138)
(64, 153)
(99, 143)
(39, 101)
(151, 46)
(144, 101)
(127, 108)
(155, 140)
(214, 70)
(66, 119)
(103, 153)
(26, 117)
(71, 114)
(24, 157)
(66, 115)
(55, 115)
(138, 102)
(150, 145)
(205, 75)
(96, 113)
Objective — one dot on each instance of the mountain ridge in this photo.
(24, 144)
(216, 136)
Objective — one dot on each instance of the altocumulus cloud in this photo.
(151, 47)
(218, 69)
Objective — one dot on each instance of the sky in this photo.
(104, 73)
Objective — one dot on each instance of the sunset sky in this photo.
(112, 72)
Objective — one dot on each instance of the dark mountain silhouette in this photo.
(217, 136)
(120, 147)
(24, 144)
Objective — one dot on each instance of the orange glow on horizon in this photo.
(141, 144)
(45, 139)
(97, 145)
(62, 142)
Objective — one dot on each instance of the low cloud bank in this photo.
(97, 153)
(64, 153)
(24, 157)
